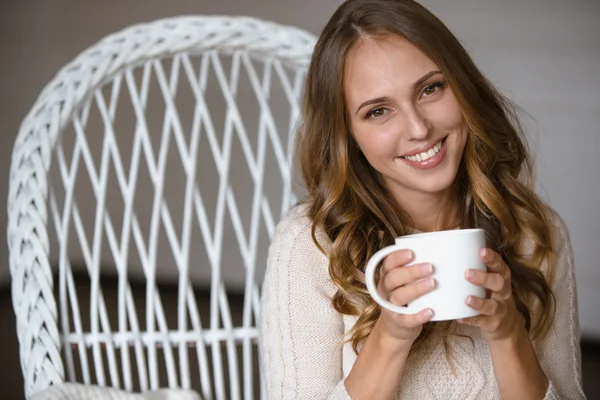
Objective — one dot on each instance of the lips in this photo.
(427, 157)
(425, 152)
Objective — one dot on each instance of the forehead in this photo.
(383, 64)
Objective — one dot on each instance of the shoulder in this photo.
(562, 270)
(296, 226)
(293, 254)
(560, 245)
(559, 234)
(294, 222)
(559, 231)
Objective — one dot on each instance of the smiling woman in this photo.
(401, 133)
(412, 131)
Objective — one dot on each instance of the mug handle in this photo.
(370, 281)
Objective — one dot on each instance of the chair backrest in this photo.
(161, 154)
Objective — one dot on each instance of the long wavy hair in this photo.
(349, 202)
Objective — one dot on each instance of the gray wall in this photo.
(544, 54)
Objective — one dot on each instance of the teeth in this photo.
(426, 154)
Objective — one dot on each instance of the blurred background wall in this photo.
(544, 54)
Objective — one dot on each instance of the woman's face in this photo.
(404, 116)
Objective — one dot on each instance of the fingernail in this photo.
(428, 283)
(429, 313)
(470, 274)
(427, 268)
(470, 301)
(485, 252)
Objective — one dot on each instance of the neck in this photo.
(431, 211)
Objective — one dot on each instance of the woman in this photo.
(402, 133)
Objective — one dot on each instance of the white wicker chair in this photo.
(113, 125)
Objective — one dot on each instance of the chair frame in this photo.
(36, 309)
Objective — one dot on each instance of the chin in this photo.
(437, 183)
(435, 187)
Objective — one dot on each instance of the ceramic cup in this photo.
(451, 253)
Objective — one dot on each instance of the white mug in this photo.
(451, 253)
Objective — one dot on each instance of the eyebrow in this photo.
(385, 99)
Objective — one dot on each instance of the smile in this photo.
(428, 158)
(427, 154)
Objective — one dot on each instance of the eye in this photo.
(432, 89)
(376, 113)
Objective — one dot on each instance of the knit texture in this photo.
(302, 349)
(78, 391)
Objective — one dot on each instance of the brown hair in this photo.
(349, 202)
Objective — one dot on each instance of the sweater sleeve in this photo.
(301, 334)
(559, 353)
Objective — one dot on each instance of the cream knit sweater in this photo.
(302, 349)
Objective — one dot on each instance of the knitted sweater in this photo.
(302, 349)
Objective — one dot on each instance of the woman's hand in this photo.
(400, 284)
(382, 359)
(499, 317)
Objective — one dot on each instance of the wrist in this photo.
(379, 366)
(388, 343)
(515, 338)
(517, 369)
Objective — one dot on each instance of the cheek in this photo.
(376, 142)
(448, 117)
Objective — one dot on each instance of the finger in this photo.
(494, 262)
(408, 293)
(404, 275)
(411, 321)
(396, 259)
(485, 306)
(492, 281)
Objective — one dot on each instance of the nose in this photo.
(417, 126)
